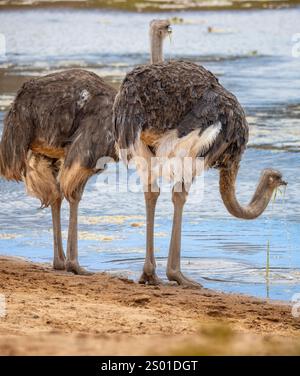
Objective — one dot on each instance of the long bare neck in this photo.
(156, 46)
(259, 201)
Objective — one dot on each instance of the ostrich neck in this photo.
(156, 42)
(258, 203)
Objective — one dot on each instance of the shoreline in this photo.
(51, 312)
(152, 6)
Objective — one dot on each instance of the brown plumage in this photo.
(180, 96)
(54, 133)
(62, 115)
(179, 109)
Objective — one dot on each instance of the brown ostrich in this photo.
(179, 109)
(56, 130)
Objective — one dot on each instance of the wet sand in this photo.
(50, 312)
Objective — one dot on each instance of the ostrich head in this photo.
(274, 179)
(159, 30)
(269, 181)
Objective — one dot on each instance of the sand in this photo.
(50, 312)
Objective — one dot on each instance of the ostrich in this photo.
(179, 109)
(56, 130)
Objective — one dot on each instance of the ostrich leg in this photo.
(59, 256)
(72, 264)
(149, 275)
(179, 196)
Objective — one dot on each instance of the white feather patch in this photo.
(190, 145)
(170, 152)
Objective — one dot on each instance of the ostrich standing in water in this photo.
(55, 132)
(176, 109)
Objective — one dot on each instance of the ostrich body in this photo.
(55, 131)
(176, 109)
(57, 128)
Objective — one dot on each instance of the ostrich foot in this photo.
(59, 264)
(182, 280)
(149, 279)
(74, 267)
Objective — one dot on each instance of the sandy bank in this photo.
(52, 312)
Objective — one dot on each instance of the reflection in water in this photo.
(258, 257)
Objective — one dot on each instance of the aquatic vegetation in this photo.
(137, 224)
(211, 29)
(183, 21)
(253, 53)
(6, 236)
(109, 219)
(161, 234)
(86, 235)
(275, 195)
(281, 191)
(268, 269)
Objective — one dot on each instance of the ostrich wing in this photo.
(204, 113)
(93, 138)
(222, 126)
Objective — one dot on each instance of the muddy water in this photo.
(252, 53)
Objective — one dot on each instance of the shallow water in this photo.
(251, 52)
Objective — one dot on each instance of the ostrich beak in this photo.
(284, 183)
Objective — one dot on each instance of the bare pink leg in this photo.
(149, 274)
(72, 264)
(173, 267)
(59, 255)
